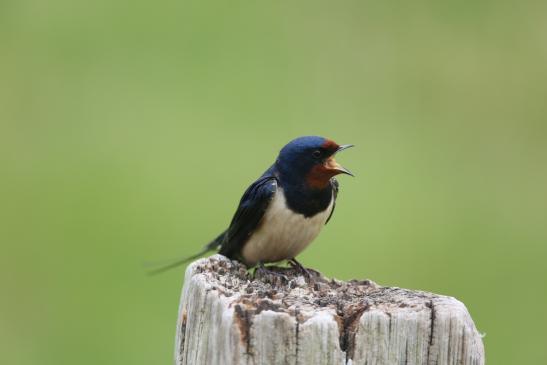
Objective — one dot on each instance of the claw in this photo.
(298, 266)
(262, 271)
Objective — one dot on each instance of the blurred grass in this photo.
(128, 132)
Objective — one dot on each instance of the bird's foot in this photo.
(305, 272)
(264, 272)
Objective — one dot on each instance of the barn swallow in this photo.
(283, 211)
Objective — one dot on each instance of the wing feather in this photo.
(248, 215)
(334, 184)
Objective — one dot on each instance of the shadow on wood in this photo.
(227, 317)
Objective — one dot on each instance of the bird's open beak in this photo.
(331, 163)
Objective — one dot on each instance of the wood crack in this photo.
(244, 322)
(432, 315)
(349, 320)
(183, 320)
(297, 333)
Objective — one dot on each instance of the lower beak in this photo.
(331, 163)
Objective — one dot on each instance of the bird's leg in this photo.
(298, 266)
(260, 269)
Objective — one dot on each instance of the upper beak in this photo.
(331, 163)
(344, 147)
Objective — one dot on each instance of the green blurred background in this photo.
(129, 130)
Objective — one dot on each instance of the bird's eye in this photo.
(316, 153)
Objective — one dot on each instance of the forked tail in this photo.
(164, 266)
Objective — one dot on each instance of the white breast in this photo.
(282, 234)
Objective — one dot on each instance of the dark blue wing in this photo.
(334, 184)
(246, 220)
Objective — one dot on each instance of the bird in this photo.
(284, 210)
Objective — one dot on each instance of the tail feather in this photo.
(177, 262)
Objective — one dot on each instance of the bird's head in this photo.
(311, 159)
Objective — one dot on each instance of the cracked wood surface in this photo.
(228, 317)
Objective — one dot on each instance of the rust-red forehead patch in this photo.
(329, 144)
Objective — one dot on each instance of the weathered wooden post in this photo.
(226, 317)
